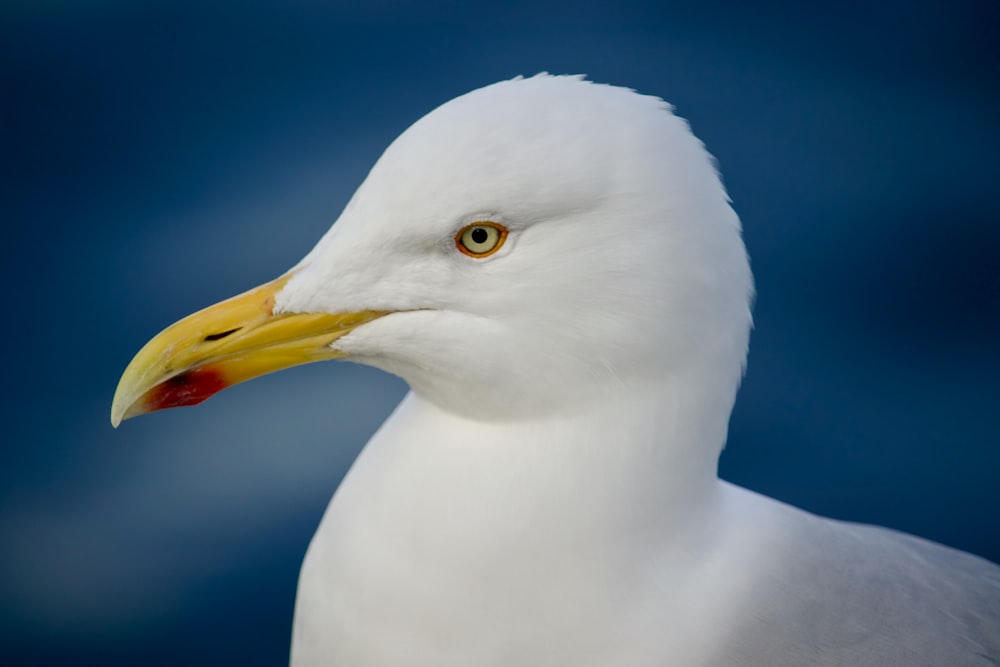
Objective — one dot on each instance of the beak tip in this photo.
(117, 415)
(121, 408)
(120, 413)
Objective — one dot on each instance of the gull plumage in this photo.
(547, 492)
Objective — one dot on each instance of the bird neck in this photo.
(640, 464)
(557, 531)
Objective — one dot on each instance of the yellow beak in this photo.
(225, 344)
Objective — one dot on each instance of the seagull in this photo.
(555, 269)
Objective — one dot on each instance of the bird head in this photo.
(527, 248)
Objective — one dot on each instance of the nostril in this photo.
(223, 334)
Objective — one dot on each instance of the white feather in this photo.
(547, 495)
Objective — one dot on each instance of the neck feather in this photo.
(641, 464)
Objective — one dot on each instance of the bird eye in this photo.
(481, 239)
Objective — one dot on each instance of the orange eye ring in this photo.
(480, 239)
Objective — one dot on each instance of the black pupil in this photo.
(479, 235)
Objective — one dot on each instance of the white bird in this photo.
(555, 269)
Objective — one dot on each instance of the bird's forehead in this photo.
(520, 126)
(518, 152)
(507, 150)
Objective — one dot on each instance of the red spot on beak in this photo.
(188, 388)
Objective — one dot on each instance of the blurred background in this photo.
(160, 156)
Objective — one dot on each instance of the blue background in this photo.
(160, 156)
